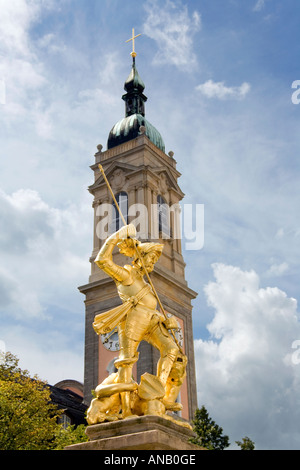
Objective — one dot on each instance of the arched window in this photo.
(163, 216)
(122, 200)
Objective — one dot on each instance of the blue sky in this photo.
(218, 77)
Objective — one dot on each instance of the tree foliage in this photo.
(70, 435)
(247, 444)
(208, 434)
(28, 419)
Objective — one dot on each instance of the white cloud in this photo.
(173, 29)
(16, 18)
(2, 91)
(278, 269)
(50, 43)
(280, 233)
(103, 95)
(2, 348)
(42, 258)
(20, 66)
(219, 90)
(259, 5)
(29, 95)
(50, 355)
(245, 374)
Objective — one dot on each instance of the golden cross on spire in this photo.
(133, 53)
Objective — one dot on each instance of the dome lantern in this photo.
(128, 128)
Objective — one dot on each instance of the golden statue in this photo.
(137, 319)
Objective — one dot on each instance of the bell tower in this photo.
(144, 180)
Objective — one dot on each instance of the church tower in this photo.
(144, 180)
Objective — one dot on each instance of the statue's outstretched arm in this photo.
(104, 258)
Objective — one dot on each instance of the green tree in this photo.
(28, 419)
(70, 435)
(208, 434)
(247, 444)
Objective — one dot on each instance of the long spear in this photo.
(138, 254)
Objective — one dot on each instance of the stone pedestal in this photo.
(141, 433)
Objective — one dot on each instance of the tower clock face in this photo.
(111, 340)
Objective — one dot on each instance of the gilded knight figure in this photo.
(137, 319)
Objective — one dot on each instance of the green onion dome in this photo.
(128, 128)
